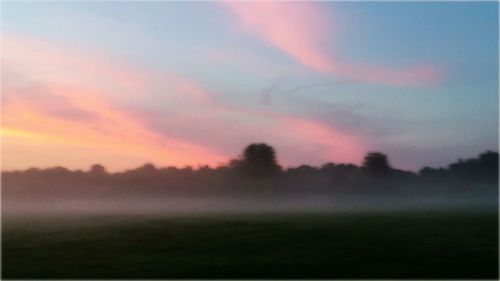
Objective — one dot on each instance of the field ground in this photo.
(290, 246)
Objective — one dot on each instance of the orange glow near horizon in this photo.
(193, 84)
(112, 131)
(88, 90)
(52, 116)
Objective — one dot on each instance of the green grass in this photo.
(359, 245)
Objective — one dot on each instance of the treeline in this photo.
(257, 172)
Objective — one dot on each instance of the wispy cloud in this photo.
(81, 111)
(94, 103)
(302, 30)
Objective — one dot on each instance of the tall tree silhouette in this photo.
(259, 161)
(488, 162)
(376, 164)
(98, 170)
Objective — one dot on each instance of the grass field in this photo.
(290, 246)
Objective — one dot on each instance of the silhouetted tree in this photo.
(465, 170)
(484, 169)
(235, 164)
(432, 173)
(97, 170)
(259, 161)
(376, 163)
(489, 168)
(489, 159)
(147, 168)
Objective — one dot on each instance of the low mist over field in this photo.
(334, 221)
(254, 183)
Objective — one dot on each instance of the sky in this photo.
(193, 83)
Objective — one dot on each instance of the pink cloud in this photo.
(37, 60)
(59, 99)
(306, 139)
(293, 27)
(301, 29)
(72, 96)
(110, 128)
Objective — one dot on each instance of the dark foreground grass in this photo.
(367, 246)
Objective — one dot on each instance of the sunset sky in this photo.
(171, 83)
